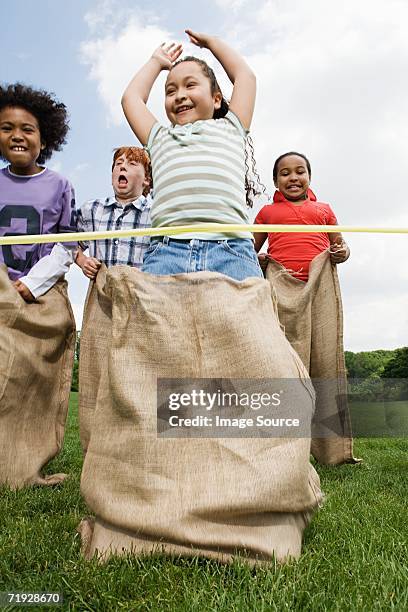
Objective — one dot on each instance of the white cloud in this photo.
(113, 59)
(380, 323)
(375, 292)
(233, 5)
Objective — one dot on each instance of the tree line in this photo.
(378, 375)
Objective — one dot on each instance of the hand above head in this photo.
(198, 38)
(167, 54)
(24, 291)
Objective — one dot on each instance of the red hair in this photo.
(139, 156)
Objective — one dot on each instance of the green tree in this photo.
(397, 366)
(367, 364)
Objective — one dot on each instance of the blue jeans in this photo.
(235, 257)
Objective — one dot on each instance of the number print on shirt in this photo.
(32, 216)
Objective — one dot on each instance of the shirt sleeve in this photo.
(45, 273)
(153, 133)
(331, 217)
(259, 217)
(67, 220)
(232, 117)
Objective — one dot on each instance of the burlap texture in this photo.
(212, 497)
(312, 317)
(37, 344)
(94, 350)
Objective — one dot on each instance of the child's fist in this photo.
(167, 54)
(263, 261)
(339, 252)
(24, 291)
(90, 267)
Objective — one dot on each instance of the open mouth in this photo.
(18, 149)
(122, 180)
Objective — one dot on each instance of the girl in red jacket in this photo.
(294, 203)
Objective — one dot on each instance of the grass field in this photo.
(379, 419)
(355, 551)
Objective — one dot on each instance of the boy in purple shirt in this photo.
(33, 199)
(37, 338)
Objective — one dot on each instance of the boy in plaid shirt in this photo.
(128, 209)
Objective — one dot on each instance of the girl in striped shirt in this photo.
(199, 162)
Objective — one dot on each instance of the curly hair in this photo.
(253, 183)
(52, 116)
(139, 155)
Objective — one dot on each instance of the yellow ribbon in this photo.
(185, 229)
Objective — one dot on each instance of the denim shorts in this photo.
(235, 258)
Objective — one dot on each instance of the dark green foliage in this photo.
(354, 553)
(74, 382)
(397, 366)
(367, 364)
(372, 375)
(78, 345)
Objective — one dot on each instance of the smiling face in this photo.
(188, 94)
(128, 179)
(292, 178)
(20, 140)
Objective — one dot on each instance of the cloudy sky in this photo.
(331, 84)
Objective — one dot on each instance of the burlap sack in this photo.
(37, 344)
(215, 497)
(312, 317)
(94, 350)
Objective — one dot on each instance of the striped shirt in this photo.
(101, 215)
(199, 175)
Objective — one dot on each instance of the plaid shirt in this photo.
(101, 215)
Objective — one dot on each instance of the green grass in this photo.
(354, 555)
(379, 419)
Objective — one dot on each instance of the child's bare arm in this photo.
(339, 250)
(239, 73)
(134, 99)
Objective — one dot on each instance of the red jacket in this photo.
(293, 250)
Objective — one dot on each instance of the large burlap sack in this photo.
(215, 497)
(37, 344)
(94, 350)
(312, 317)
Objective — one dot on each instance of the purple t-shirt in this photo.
(40, 204)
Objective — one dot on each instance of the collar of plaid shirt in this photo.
(140, 203)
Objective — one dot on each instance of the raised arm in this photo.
(239, 73)
(134, 99)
